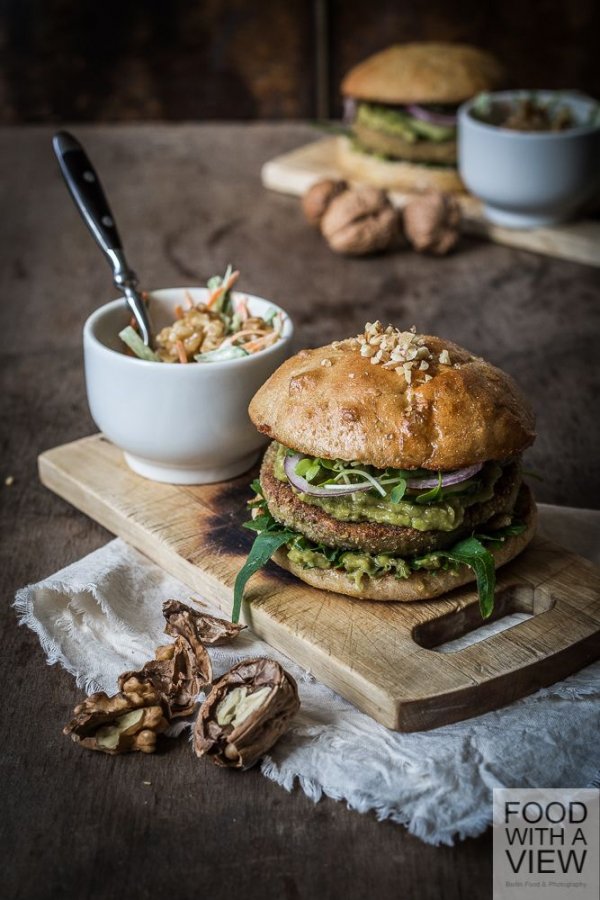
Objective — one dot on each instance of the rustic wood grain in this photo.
(365, 651)
(188, 200)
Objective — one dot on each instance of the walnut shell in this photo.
(360, 221)
(246, 712)
(184, 620)
(432, 222)
(119, 724)
(177, 675)
(318, 197)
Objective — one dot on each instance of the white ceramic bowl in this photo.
(530, 179)
(178, 424)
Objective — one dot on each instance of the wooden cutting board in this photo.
(294, 172)
(380, 656)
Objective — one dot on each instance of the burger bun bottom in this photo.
(395, 175)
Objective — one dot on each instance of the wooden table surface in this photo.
(188, 200)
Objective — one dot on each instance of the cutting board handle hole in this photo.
(510, 601)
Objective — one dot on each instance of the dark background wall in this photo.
(109, 60)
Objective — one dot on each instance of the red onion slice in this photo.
(427, 115)
(305, 487)
(448, 479)
(350, 107)
(340, 490)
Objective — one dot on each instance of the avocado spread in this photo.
(356, 565)
(398, 122)
(445, 514)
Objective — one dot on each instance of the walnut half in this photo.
(359, 221)
(177, 675)
(432, 222)
(318, 197)
(119, 724)
(247, 711)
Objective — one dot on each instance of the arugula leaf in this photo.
(264, 546)
(260, 523)
(398, 492)
(472, 553)
(308, 468)
(433, 494)
(502, 533)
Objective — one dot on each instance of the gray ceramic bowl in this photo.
(530, 179)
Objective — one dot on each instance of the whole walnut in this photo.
(432, 222)
(318, 197)
(360, 220)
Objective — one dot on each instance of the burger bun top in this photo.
(455, 409)
(423, 73)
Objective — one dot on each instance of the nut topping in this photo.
(404, 351)
(247, 711)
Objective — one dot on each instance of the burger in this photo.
(394, 472)
(401, 108)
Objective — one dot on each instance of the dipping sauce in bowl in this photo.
(180, 423)
(533, 159)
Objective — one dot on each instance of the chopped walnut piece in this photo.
(119, 724)
(404, 351)
(247, 711)
(184, 620)
(177, 675)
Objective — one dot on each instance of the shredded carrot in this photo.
(133, 322)
(242, 309)
(181, 352)
(247, 332)
(218, 292)
(179, 312)
(261, 343)
(188, 299)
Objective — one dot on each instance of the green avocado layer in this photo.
(445, 513)
(360, 565)
(399, 123)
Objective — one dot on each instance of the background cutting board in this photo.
(294, 172)
(379, 656)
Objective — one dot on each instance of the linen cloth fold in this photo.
(102, 616)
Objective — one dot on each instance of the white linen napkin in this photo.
(102, 616)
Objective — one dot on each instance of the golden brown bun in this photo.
(394, 175)
(420, 585)
(423, 73)
(347, 408)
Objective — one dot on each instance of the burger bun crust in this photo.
(433, 72)
(333, 403)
